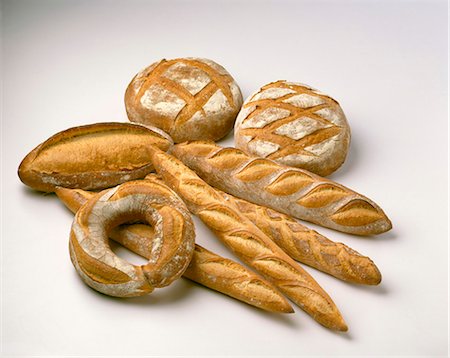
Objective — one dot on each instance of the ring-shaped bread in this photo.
(137, 201)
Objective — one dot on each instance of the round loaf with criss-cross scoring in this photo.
(296, 125)
(171, 248)
(190, 98)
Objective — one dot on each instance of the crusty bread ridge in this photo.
(206, 268)
(248, 242)
(292, 191)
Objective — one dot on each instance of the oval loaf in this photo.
(189, 98)
(91, 157)
(295, 125)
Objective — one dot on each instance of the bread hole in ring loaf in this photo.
(132, 242)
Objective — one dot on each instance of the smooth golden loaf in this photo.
(292, 191)
(308, 246)
(172, 245)
(91, 157)
(206, 268)
(247, 242)
(296, 125)
(189, 98)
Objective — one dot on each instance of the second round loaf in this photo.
(296, 125)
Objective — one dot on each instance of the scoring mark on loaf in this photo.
(198, 148)
(257, 169)
(319, 147)
(356, 213)
(322, 195)
(220, 218)
(228, 158)
(247, 244)
(265, 293)
(193, 190)
(223, 269)
(279, 270)
(289, 183)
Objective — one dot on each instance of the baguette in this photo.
(206, 268)
(292, 191)
(91, 157)
(249, 243)
(308, 246)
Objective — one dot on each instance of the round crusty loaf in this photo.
(189, 98)
(294, 125)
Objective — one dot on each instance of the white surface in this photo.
(68, 63)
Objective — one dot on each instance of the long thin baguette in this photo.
(206, 268)
(292, 191)
(248, 242)
(308, 246)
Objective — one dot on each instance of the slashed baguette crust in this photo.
(233, 279)
(248, 242)
(171, 250)
(206, 268)
(91, 157)
(292, 191)
(308, 246)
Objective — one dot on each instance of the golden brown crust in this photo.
(295, 125)
(206, 268)
(171, 249)
(233, 279)
(308, 246)
(292, 191)
(95, 156)
(190, 98)
(248, 242)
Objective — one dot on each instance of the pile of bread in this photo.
(287, 136)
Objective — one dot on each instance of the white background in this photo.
(67, 63)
